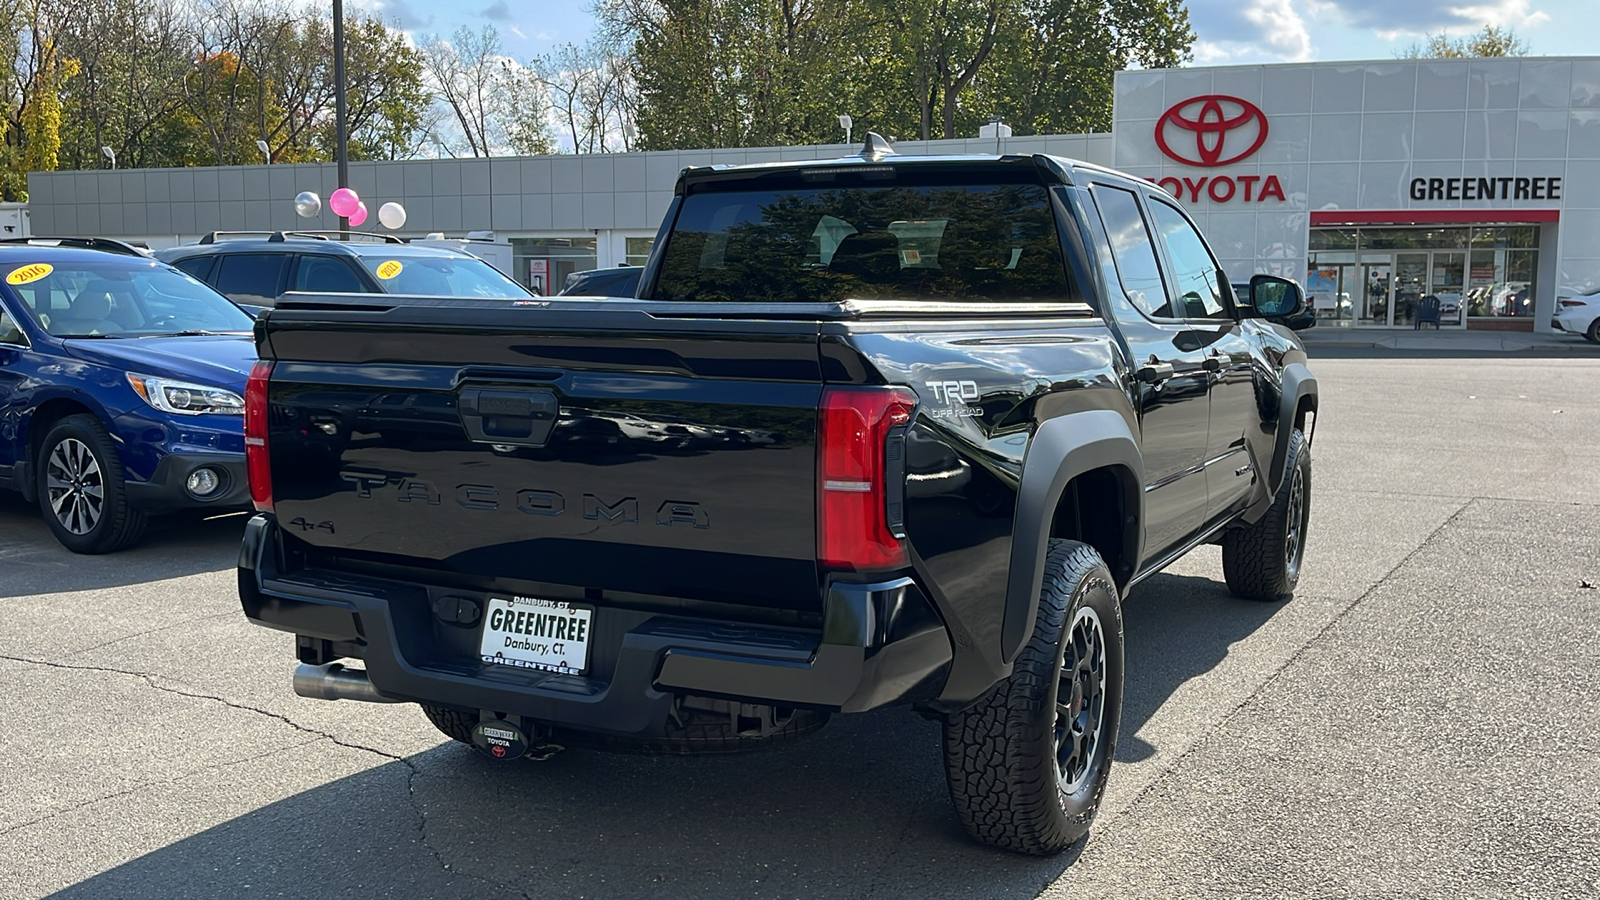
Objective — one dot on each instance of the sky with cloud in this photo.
(1230, 31)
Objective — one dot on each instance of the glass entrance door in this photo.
(1395, 282)
(1410, 283)
(1447, 280)
(1372, 304)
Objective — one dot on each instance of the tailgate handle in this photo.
(517, 418)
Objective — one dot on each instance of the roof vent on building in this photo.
(876, 147)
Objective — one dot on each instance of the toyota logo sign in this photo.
(1213, 130)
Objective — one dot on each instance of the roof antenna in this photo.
(876, 148)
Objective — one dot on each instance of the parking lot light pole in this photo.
(266, 151)
(340, 126)
(111, 155)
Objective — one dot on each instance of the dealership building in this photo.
(1373, 183)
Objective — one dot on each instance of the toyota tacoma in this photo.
(878, 431)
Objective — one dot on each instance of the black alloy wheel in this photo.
(1081, 701)
(1294, 545)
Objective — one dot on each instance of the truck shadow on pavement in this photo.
(1176, 627)
(860, 808)
(179, 544)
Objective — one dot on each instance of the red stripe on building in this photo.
(1325, 217)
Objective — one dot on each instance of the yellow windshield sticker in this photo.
(389, 269)
(31, 272)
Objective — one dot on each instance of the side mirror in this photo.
(1276, 298)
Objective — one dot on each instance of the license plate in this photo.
(529, 633)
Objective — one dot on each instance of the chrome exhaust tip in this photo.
(335, 681)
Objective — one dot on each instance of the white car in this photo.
(1579, 315)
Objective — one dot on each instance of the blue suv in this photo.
(121, 389)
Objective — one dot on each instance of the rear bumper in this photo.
(880, 644)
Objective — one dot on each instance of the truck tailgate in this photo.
(582, 444)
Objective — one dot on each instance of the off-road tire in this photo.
(1258, 560)
(455, 724)
(1001, 753)
(701, 734)
(117, 525)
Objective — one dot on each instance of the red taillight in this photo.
(258, 464)
(1569, 304)
(861, 476)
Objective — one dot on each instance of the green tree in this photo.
(132, 56)
(734, 73)
(728, 73)
(386, 99)
(1491, 41)
(1054, 68)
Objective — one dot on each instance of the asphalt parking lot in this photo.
(1422, 719)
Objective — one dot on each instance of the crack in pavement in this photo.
(168, 627)
(1272, 678)
(150, 680)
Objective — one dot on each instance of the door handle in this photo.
(1152, 372)
(1212, 364)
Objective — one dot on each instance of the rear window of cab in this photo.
(825, 242)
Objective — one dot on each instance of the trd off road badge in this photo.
(955, 394)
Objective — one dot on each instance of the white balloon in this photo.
(307, 204)
(392, 215)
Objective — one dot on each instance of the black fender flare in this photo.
(1298, 383)
(1062, 449)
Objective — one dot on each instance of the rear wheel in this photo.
(1593, 334)
(80, 488)
(1262, 561)
(1028, 762)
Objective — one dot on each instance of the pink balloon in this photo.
(343, 202)
(360, 215)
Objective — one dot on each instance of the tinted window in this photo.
(623, 283)
(957, 242)
(117, 299)
(1199, 281)
(1137, 268)
(251, 276)
(441, 276)
(328, 275)
(198, 266)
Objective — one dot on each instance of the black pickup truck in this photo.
(876, 431)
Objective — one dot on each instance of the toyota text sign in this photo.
(1211, 131)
